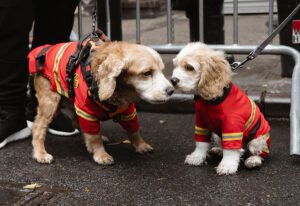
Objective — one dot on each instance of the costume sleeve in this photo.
(129, 120)
(232, 132)
(202, 134)
(87, 122)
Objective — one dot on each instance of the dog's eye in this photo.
(189, 67)
(147, 74)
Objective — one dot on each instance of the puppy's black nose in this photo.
(174, 81)
(170, 90)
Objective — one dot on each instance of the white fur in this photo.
(198, 156)
(154, 89)
(188, 81)
(230, 162)
(257, 145)
(253, 161)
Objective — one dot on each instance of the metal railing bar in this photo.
(201, 21)
(235, 22)
(271, 14)
(79, 20)
(169, 22)
(138, 22)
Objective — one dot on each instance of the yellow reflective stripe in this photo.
(128, 117)
(85, 115)
(232, 139)
(55, 70)
(201, 131)
(232, 136)
(251, 118)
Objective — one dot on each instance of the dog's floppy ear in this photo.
(106, 75)
(216, 74)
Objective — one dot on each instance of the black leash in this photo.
(260, 48)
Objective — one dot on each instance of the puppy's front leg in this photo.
(198, 156)
(230, 162)
(94, 144)
(139, 144)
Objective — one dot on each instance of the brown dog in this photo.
(122, 72)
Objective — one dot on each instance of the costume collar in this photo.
(218, 100)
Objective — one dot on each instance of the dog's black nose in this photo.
(174, 81)
(170, 90)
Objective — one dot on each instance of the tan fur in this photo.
(216, 74)
(118, 68)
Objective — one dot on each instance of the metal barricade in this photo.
(235, 48)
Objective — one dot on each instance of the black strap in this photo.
(74, 60)
(40, 59)
(261, 47)
(254, 129)
(93, 88)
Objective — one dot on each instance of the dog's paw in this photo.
(195, 159)
(217, 151)
(227, 168)
(43, 158)
(103, 158)
(253, 161)
(143, 148)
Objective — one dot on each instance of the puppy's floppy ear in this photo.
(216, 74)
(106, 75)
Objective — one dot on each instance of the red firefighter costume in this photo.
(233, 119)
(89, 113)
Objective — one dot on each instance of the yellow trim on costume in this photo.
(232, 139)
(201, 131)
(129, 117)
(55, 69)
(251, 118)
(85, 115)
(232, 136)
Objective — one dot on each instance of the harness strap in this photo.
(73, 64)
(93, 89)
(80, 55)
(40, 59)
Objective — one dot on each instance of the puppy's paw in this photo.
(43, 158)
(103, 158)
(217, 151)
(253, 161)
(143, 148)
(227, 168)
(195, 159)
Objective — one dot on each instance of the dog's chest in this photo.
(210, 114)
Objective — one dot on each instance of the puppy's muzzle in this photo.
(170, 91)
(174, 81)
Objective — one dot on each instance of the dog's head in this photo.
(125, 70)
(201, 70)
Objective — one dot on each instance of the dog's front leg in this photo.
(139, 144)
(230, 162)
(95, 146)
(198, 156)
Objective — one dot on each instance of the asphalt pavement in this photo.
(159, 178)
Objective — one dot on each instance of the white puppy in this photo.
(221, 108)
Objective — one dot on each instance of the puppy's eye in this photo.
(147, 74)
(189, 67)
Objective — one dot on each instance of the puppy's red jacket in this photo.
(89, 113)
(233, 117)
